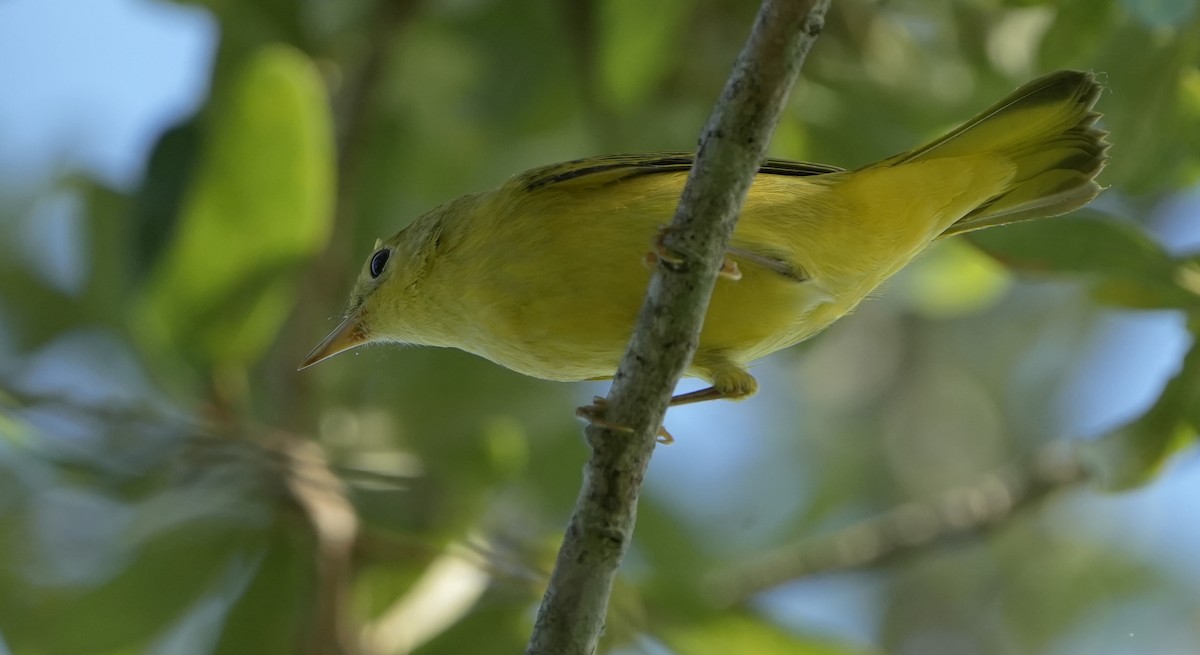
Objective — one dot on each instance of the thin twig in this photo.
(909, 529)
(571, 617)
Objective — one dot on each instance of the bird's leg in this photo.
(594, 414)
(699, 396)
(729, 383)
(660, 253)
(778, 265)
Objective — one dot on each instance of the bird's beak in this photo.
(352, 332)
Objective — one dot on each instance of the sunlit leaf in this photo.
(743, 633)
(497, 625)
(261, 204)
(1189, 122)
(954, 279)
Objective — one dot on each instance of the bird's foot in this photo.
(594, 414)
(660, 253)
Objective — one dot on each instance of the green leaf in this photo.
(1129, 269)
(954, 279)
(1075, 245)
(1140, 294)
(1150, 126)
(638, 45)
(274, 614)
(1079, 28)
(1188, 128)
(156, 207)
(166, 575)
(745, 633)
(260, 206)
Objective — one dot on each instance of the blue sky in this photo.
(92, 83)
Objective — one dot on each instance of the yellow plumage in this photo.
(544, 274)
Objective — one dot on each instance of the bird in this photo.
(546, 273)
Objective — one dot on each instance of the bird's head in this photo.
(384, 291)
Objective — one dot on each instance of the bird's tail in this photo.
(1047, 129)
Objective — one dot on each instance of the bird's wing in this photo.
(600, 171)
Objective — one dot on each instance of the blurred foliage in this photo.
(159, 489)
(261, 204)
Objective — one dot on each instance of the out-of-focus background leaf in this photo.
(187, 190)
(260, 205)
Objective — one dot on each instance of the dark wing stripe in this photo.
(627, 166)
(797, 168)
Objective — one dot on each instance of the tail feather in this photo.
(1047, 130)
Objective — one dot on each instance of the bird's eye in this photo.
(378, 261)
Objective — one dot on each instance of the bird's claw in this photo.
(660, 253)
(729, 270)
(664, 437)
(594, 415)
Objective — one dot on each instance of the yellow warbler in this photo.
(545, 274)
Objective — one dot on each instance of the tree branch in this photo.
(571, 617)
(910, 529)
